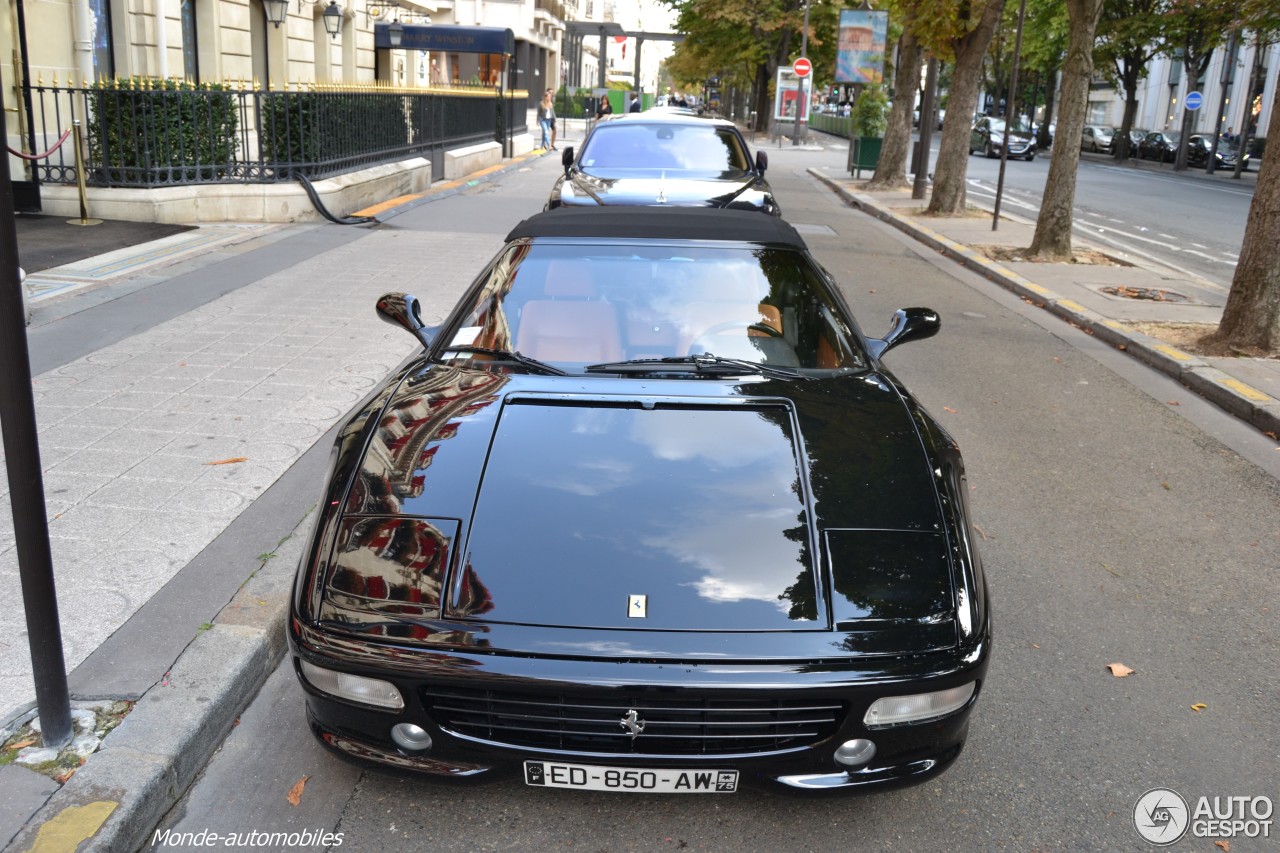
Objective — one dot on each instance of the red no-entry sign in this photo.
(802, 67)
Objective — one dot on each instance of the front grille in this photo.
(593, 722)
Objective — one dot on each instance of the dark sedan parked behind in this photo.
(667, 159)
(1200, 145)
(989, 136)
(646, 513)
(1159, 145)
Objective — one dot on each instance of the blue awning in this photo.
(444, 37)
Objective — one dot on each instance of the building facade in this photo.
(1163, 91)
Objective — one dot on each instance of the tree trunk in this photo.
(1251, 319)
(1043, 140)
(1120, 145)
(763, 107)
(1053, 227)
(948, 198)
(891, 170)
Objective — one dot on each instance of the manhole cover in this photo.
(1150, 294)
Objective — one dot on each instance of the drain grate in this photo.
(1150, 294)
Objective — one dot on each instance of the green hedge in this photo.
(173, 130)
(313, 127)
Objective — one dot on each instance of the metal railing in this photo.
(154, 133)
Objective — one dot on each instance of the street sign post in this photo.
(802, 67)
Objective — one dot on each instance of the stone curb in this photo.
(146, 764)
(1228, 393)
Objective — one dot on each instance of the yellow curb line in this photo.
(1073, 306)
(64, 832)
(1173, 352)
(1252, 393)
(1035, 288)
(387, 205)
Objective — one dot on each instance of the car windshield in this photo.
(573, 304)
(637, 149)
(997, 124)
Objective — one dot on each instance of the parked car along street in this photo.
(1159, 145)
(1097, 138)
(664, 158)
(642, 438)
(989, 137)
(1200, 145)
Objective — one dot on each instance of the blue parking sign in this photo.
(1195, 100)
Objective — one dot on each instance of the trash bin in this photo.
(865, 153)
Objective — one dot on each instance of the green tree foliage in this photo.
(1196, 28)
(1130, 33)
(744, 44)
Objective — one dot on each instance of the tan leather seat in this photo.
(569, 331)
(570, 324)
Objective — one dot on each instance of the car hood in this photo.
(761, 506)
(675, 190)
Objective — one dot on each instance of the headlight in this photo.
(353, 688)
(896, 710)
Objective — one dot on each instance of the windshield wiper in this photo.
(510, 355)
(706, 363)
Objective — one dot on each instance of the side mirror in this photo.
(909, 324)
(404, 310)
(566, 159)
(762, 161)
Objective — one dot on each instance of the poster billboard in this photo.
(861, 45)
(790, 92)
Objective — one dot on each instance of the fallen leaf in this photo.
(22, 743)
(1198, 707)
(1165, 486)
(62, 778)
(229, 461)
(1173, 402)
(949, 409)
(1058, 360)
(1119, 670)
(1121, 347)
(1035, 645)
(981, 532)
(872, 290)
(295, 793)
(1225, 845)
(1113, 571)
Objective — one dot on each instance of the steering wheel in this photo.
(721, 328)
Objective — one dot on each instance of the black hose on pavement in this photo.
(315, 200)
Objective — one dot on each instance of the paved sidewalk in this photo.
(154, 448)
(1248, 388)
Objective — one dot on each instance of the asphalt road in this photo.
(1115, 528)
(1143, 208)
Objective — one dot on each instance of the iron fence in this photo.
(155, 133)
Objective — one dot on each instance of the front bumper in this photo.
(905, 754)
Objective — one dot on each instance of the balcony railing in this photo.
(154, 133)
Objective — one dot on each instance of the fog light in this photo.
(894, 710)
(410, 738)
(853, 753)
(354, 688)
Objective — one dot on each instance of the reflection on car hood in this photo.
(715, 506)
(676, 190)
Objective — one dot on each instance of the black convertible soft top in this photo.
(682, 223)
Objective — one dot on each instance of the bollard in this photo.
(84, 192)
